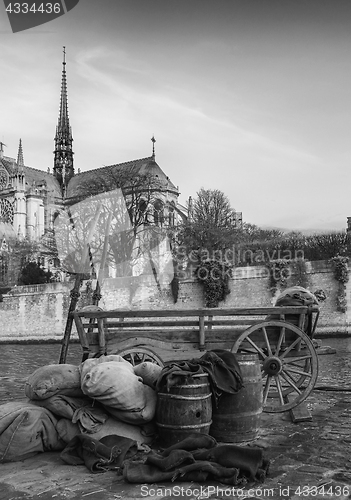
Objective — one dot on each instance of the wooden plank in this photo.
(322, 350)
(300, 413)
(147, 337)
(101, 337)
(201, 334)
(83, 338)
(149, 313)
(182, 322)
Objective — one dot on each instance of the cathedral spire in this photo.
(20, 160)
(63, 120)
(63, 154)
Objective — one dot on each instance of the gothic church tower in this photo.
(63, 154)
(19, 185)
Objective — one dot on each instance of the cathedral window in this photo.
(171, 217)
(142, 207)
(3, 179)
(158, 213)
(6, 211)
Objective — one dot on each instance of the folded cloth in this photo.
(90, 419)
(147, 473)
(195, 459)
(99, 456)
(221, 366)
(248, 459)
(216, 472)
(193, 441)
(176, 458)
(198, 471)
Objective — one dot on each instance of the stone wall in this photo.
(41, 310)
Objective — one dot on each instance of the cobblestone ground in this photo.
(308, 460)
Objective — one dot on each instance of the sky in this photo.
(251, 97)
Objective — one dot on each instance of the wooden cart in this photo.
(282, 337)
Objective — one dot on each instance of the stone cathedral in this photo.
(31, 198)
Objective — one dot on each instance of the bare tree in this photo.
(118, 208)
(212, 207)
(211, 225)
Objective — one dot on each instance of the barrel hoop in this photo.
(191, 386)
(189, 398)
(248, 362)
(180, 427)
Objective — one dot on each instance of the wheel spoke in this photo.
(267, 341)
(290, 347)
(299, 372)
(288, 380)
(255, 346)
(280, 341)
(289, 363)
(279, 388)
(294, 359)
(266, 389)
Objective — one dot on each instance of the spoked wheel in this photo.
(289, 363)
(137, 355)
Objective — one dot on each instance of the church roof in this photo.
(108, 175)
(6, 162)
(34, 176)
(39, 177)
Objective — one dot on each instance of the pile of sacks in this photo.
(100, 397)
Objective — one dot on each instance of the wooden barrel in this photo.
(237, 418)
(186, 408)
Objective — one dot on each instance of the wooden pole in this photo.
(74, 294)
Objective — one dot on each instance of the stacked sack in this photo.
(117, 385)
(100, 397)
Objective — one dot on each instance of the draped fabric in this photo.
(199, 458)
(221, 366)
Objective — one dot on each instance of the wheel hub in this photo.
(272, 365)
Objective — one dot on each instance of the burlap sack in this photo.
(296, 296)
(63, 406)
(90, 363)
(49, 380)
(138, 417)
(149, 372)
(114, 384)
(67, 430)
(25, 430)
